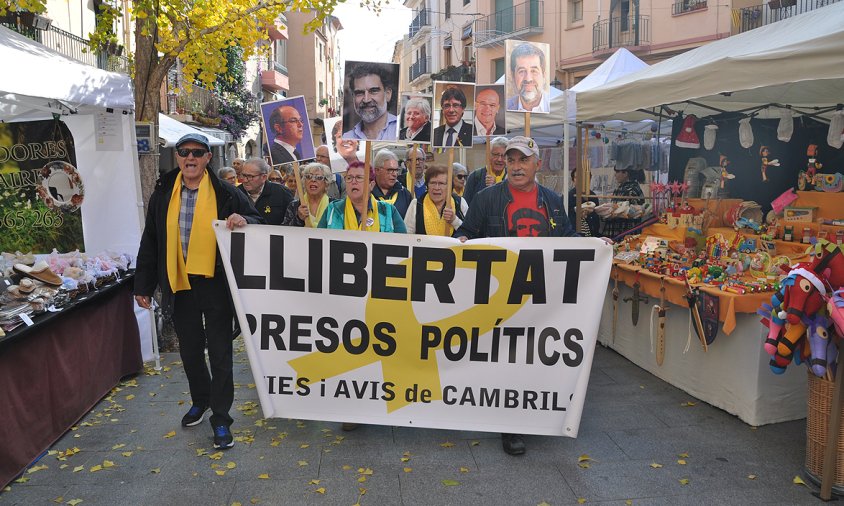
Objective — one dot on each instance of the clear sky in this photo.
(370, 37)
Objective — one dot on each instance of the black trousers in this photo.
(208, 298)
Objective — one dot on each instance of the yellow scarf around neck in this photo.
(391, 200)
(499, 177)
(313, 220)
(434, 223)
(202, 245)
(350, 217)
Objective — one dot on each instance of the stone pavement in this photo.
(636, 431)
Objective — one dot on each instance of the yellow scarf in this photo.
(202, 245)
(350, 217)
(312, 221)
(434, 223)
(499, 177)
(391, 200)
(459, 193)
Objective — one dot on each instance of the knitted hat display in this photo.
(709, 133)
(745, 133)
(786, 125)
(835, 137)
(687, 138)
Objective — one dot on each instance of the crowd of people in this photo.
(178, 251)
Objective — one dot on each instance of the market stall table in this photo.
(55, 371)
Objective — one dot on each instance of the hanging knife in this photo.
(660, 333)
(635, 300)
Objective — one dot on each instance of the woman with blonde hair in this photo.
(308, 211)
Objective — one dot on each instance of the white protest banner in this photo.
(492, 335)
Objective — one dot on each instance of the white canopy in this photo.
(795, 62)
(170, 131)
(37, 81)
(621, 63)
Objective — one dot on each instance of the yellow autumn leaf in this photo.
(361, 479)
(170, 434)
(347, 467)
(450, 483)
(22, 479)
(304, 445)
(475, 443)
(581, 500)
(236, 503)
(681, 462)
(464, 469)
(405, 459)
(447, 444)
(584, 458)
(254, 500)
(155, 470)
(96, 468)
(126, 454)
(688, 404)
(74, 502)
(58, 500)
(684, 481)
(130, 397)
(35, 469)
(320, 490)
(628, 502)
(107, 464)
(543, 503)
(264, 476)
(220, 472)
(407, 469)
(584, 465)
(655, 465)
(798, 481)
(303, 463)
(367, 471)
(683, 455)
(119, 446)
(313, 482)
(751, 476)
(78, 468)
(230, 465)
(216, 456)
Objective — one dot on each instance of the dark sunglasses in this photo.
(460, 176)
(184, 152)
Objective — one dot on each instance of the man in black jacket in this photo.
(179, 255)
(270, 199)
(517, 207)
(387, 186)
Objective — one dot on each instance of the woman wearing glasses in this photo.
(458, 180)
(308, 211)
(275, 177)
(359, 210)
(429, 215)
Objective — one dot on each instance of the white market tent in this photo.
(40, 83)
(794, 62)
(621, 63)
(170, 131)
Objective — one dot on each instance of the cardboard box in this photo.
(799, 214)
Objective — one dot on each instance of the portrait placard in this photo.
(489, 113)
(454, 103)
(341, 151)
(288, 130)
(370, 104)
(415, 120)
(528, 76)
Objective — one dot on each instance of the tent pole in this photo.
(566, 143)
(578, 211)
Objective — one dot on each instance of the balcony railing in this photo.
(420, 67)
(196, 101)
(684, 6)
(512, 22)
(775, 10)
(69, 45)
(629, 31)
(463, 73)
(421, 20)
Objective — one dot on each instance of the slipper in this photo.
(40, 271)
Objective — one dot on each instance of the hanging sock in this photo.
(709, 133)
(785, 128)
(835, 137)
(745, 133)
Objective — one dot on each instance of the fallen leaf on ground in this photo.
(264, 476)
(447, 444)
(118, 446)
(407, 469)
(681, 462)
(254, 500)
(216, 456)
(751, 476)
(22, 479)
(170, 434)
(683, 455)
(450, 483)
(303, 463)
(130, 397)
(313, 482)
(584, 458)
(347, 467)
(405, 459)
(96, 468)
(107, 464)
(655, 465)
(464, 469)
(688, 404)
(475, 443)
(584, 465)
(126, 454)
(35, 469)
(361, 479)
(78, 468)
(230, 465)
(155, 470)
(684, 481)
(581, 500)
(74, 502)
(320, 490)
(58, 500)
(367, 471)
(543, 503)
(304, 445)
(798, 481)
(220, 472)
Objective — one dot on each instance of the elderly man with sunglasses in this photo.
(178, 254)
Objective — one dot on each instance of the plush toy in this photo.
(818, 344)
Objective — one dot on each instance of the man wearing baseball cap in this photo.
(517, 207)
(178, 254)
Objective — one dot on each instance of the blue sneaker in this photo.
(194, 416)
(223, 437)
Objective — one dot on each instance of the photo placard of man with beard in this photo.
(528, 81)
(371, 101)
(288, 130)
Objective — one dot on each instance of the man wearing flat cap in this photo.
(517, 207)
(178, 254)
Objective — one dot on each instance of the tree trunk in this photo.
(150, 71)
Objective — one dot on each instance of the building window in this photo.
(497, 68)
(625, 15)
(321, 91)
(575, 10)
(447, 9)
(281, 53)
(465, 2)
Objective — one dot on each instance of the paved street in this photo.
(641, 442)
